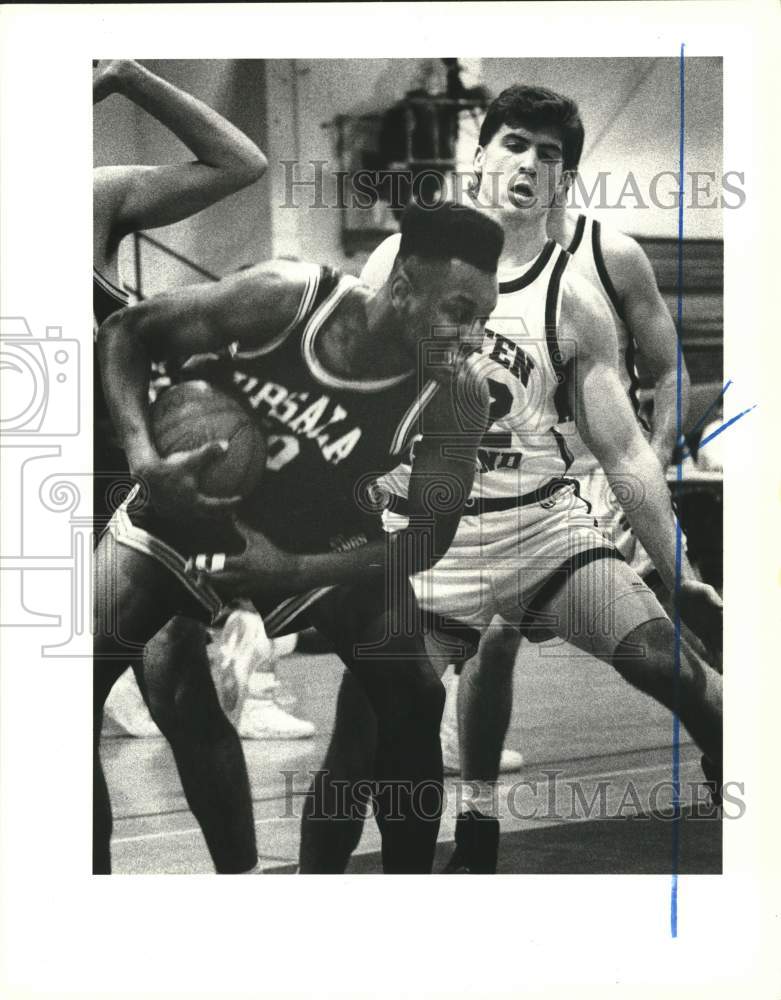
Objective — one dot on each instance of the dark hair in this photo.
(448, 231)
(536, 107)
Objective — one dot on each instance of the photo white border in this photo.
(66, 931)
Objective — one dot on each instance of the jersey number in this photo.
(501, 404)
(282, 448)
(501, 400)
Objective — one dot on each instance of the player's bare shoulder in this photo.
(279, 275)
(269, 292)
(585, 325)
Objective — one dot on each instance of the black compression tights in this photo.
(393, 705)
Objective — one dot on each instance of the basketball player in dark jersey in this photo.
(344, 379)
(126, 200)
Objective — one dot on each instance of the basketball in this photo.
(192, 414)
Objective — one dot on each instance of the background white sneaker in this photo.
(238, 651)
(263, 719)
(510, 761)
(125, 713)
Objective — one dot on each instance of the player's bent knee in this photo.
(648, 660)
(180, 693)
(647, 639)
(414, 706)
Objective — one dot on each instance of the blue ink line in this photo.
(724, 426)
(676, 777)
(706, 414)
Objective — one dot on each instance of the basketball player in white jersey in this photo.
(127, 199)
(617, 266)
(528, 548)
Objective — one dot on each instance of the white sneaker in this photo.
(239, 649)
(509, 762)
(263, 719)
(125, 713)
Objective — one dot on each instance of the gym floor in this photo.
(594, 795)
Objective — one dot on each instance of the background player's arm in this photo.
(251, 307)
(649, 322)
(608, 427)
(440, 483)
(144, 197)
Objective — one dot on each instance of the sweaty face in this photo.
(450, 304)
(521, 169)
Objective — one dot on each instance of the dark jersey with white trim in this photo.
(329, 438)
(107, 298)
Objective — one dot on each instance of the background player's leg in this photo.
(485, 699)
(407, 698)
(178, 688)
(485, 696)
(332, 823)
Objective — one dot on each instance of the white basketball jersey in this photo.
(527, 381)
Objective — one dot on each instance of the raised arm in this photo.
(650, 324)
(607, 425)
(251, 307)
(144, 197)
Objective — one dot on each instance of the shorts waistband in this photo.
(475, 506)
